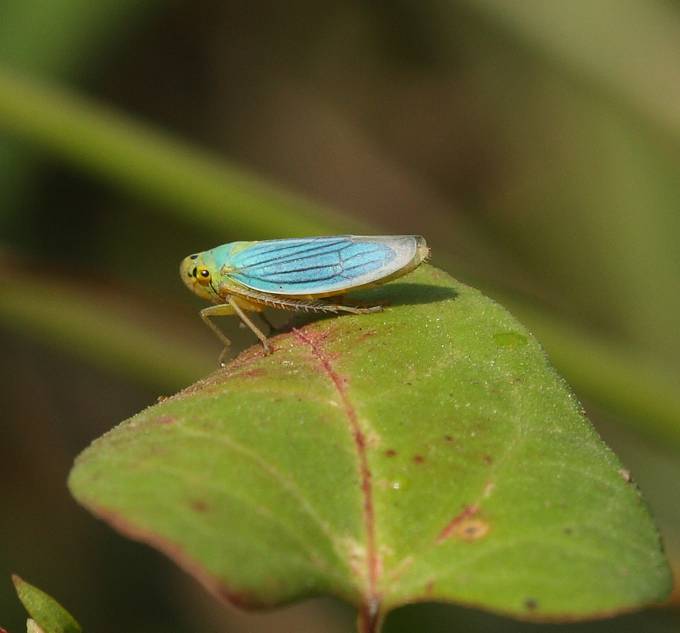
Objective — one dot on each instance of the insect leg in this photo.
(242, 315)
(307, 305)
(354, 309)
(223, 309)
(323, 305)
(299, 305)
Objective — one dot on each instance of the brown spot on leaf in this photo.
(418, 459)
(390, 452)
(429, 588)
(199, 505)
(568, 530)
(531, 604)
(473, 529)
(367, 334)
(488, 459)
(448, 438)
(166, 419)
(465, 526)
(161, 399)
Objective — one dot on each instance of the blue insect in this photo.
(296, 274)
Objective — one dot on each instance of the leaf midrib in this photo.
(372, 558)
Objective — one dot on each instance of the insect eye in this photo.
(203, 276)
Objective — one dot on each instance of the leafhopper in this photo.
(300, 275)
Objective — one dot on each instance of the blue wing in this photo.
(321, 264)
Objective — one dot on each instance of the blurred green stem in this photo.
(73, 319)
(196, 187)
(202, 189)
(627, 50)
(643, 395)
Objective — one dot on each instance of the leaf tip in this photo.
(48, 615)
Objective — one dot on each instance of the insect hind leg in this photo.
(356, 309)
(307, 305)
(289, 304)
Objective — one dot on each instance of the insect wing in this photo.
(321, 264)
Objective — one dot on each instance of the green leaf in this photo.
(48, 614)
(426, 453)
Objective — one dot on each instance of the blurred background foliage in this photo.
(536, 144)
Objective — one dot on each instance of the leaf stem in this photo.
(370, 618)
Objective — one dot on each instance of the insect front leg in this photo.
(223, 309)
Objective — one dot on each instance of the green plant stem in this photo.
(203, 189)
(77, 322)
(195, 186)
(643, 395)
